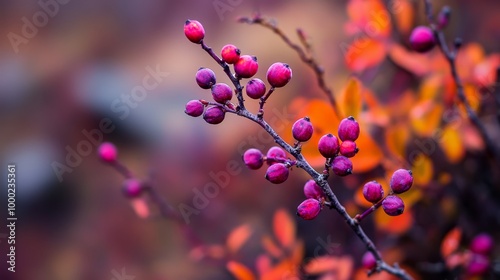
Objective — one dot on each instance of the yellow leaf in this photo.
(238, 237)
(404, 14)
(422, 169)
(451, 144)
(284, 228)
(396, 137)
(350, 99)
(426, 117)
(240, 271)
(431, 87)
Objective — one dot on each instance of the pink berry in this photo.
(312, 190)
(373, 191)
(275, 153)
(348, 129)
(214, 115)
(482, 244)
(348, 148)
(255, 88)
(368, 261)
(341, 166)
(422, 39)
(478, 265)
(246, 66)
(230, 54)
(302, 130)
(277, 173)
(107, 152)
(444, 17)
(205, 78)
(328, 145)
(279, 74)
(393, 205)
(132, 188)
(401, 181)
(194, 108)
(253, 158)
(222, 93)
(194, 31)
(309, 209)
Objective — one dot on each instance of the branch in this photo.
(305, 55)
(450, 56)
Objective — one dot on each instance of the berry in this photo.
(277, 173)
(230, 54)
(309, 209)
(279, 74)
(253, 158)
(194, 108)
(482, 244)
(422, 39)
(132, 188)
(348, 129)
(328, 145)
(312, 190)
(246, 66)
(373, 191)
(393, 205)
(214, 115)
(444, 17)
(274, 153)
(478, 265)
(255, 88)
(368, 261)
(341, 166)
(401, 181)
(222, 93)
(205, 78)
(348, 148)
(194, 31)
(302, 130)
(107, 152)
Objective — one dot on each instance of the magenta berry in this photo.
(482, 244)
(275, 153)
(205, 78)
(312, 190)
(348, 148)
(368, 261)
(132, 188)
(194, 31)
(279, 74)
(194, 108)
(230, 54)
(373, 191)
(393, 205)
(478, 265)
(107, 152)
(246, 66)
(255, 88)
(341, 166)
(422, 39)
(277, 173)
(401, 181)
(253, 158)
(222, 93)
(444, 17)
(309, 209)
(302, 130)
(348, 129)
(328, 145)
(214, 115)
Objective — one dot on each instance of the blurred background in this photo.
(65, 66)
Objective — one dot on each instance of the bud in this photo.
(274, 153)
(194, 108)
(194, 31)
(214, 115)
(302, 130)
(444, 17)
(277, 173)
(393, 205)
(107, 152)
(373, 191)
(253, 158)
(309, 209)
(482, 244)
(422, 39)
(348, 129)
(279, 74)
(132, 188)
(205, 78)
(401, 181)
(368, 261)
(328, 145)
(312, 190)
(348, 148)
(341, 166)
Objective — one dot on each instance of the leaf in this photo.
(450, 242)
(284, 228)
(371, 17)
(240, 271)
(451, 144)
(396, 137)
(350, 101)
(369, 155)
(426, 117)
(472, 95)
(286, 270)
(322, 264)
(375, 113)
(404, 14)
(238, 237)
(141, 207)
(394, 224)
(361, 274)
(364, 53)
(271, 247)
(431, 87)
(422, 169)
(415, 63)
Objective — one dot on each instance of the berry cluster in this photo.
(423, 38)
(481, 247)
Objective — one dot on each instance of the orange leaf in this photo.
(451, 242)
(286, 270)
(350, 99)
(473, 97)
(370, 16)
(369, 155)
(320, 265)
(240, 271)
(396, 137)
(422, 169)
(431, 87)
(394, 224)
(364, 53)
(426, 117)
(361, 274)
(297, 252)
(238, 237)
(284, 228)
(451, 144)
(404, 14)
(271, 247)
(415, 63)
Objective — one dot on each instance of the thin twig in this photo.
(304, 55)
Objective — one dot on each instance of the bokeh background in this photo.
(65, 79)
